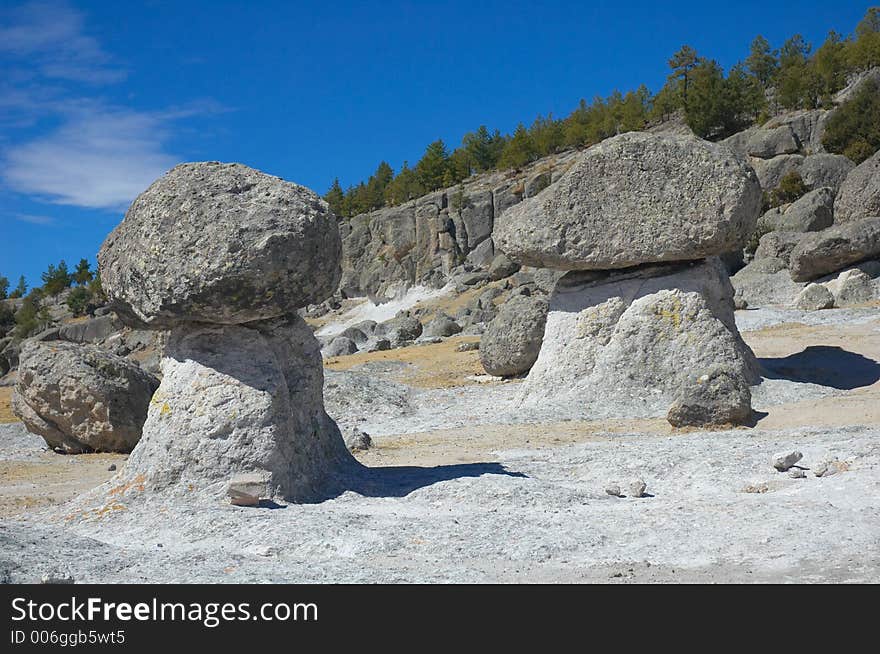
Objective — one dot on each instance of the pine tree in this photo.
(478, 150)
(665, 103)
(854, 129)
(57, 279)
(82, 274)
(830, 66)
(864, 52)
(459, 167)
(335, 198)
(792, 87)
(747, 94)
(704, 112)
(404, 187)
(762, 61)
(632, 113)
(4, 287)
(682, 63)
(377, 184)
(546, 135)
(519, 149)
(431, 168)
(20, 289)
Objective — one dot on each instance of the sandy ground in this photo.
(471, 500)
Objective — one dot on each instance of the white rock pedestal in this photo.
(629, 343)
(241, 399)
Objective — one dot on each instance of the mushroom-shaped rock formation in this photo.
(222, 256)
(646, 306)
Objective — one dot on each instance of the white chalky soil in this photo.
(463, 488)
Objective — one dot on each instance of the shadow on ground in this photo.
(824, 365)
(399, 481)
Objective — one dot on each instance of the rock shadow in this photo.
(824, 365)
(400, 481)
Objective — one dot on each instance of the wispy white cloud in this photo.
(61, 143)
(51, 35)
(99, 158)
(34, 220)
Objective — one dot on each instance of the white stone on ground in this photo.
(783, 461)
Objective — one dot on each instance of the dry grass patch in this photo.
(6, 414)
(51, 479)
(438, 365)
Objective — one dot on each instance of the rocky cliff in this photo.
(429, 240)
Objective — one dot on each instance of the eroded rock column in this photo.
(643, 319)
(221, 256)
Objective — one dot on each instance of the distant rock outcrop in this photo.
(426, 240)
(859, 196)
(835, 248)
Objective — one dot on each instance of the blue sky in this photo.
(97, 99)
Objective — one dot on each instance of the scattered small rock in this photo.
(468, 347)
(613, 489)
(636, 488)
(441, 325)
(56, 578)
(379, 346)
(111, 467)
(247, 489)
(830, 467)
(357, 440)
(797, 473)
(814, 297)
(782, 462)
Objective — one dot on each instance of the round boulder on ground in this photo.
(777, 245)
(811, 213)
(403, 328)
(502, 267)
(220, 243)
(814, 297)
(441, 325)
(81, 398)
(512, 341)
(829, 170)
(851, 287)
(717, 397)
(636, 198)
(767, 143)
(339, 347)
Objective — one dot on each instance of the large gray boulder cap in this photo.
(633, 199)
(220, 243)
